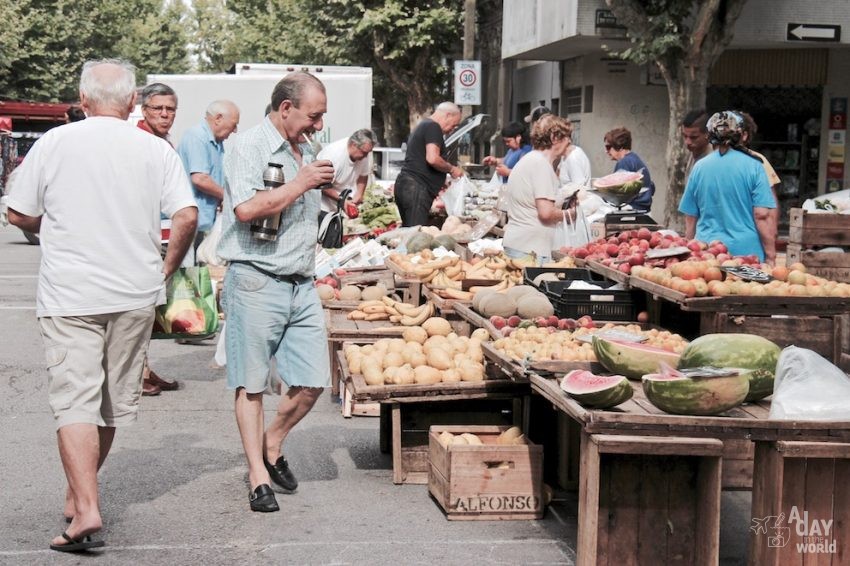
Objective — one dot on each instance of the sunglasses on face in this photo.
(607, 147)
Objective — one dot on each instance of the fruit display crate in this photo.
(340, 329)
(609, 272)
(518, 370)
(443, 305)
(530, 274)
(485, 482)
(601, 304)
(830, 265)
(367, 275)
(818, 229)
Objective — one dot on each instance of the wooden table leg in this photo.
(398, 473)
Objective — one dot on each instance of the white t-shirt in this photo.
(99, 186)
(575, 167)
(531, 179)
(346, 172)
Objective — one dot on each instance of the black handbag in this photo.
(330, 226)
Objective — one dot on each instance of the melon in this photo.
(630, 358)
(518, 291)
(674, 393)
(738, 351)
(496, 304)
(597, 391)
(418, 242)
(481, 334)
(446, 241)
(375, 292)
(326, 292)
(479, 296)
(534, 305)
(415, 334)
(349, 293)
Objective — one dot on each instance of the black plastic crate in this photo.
(599, 304)
(563, 274)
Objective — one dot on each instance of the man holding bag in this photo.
(101, 272)
(271, 304)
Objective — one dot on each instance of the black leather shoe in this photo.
(281, 475)
(263, 500)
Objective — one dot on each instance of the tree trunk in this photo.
(418, 106)
(686, 88)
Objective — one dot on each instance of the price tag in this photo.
(613, 334)
(666, 252)
(748, 273)
(710, 371)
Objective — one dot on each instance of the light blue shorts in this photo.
(266, 319)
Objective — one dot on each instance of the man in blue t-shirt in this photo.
(728, 196)
(202, 153)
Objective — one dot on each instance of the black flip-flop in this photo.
(77, 544)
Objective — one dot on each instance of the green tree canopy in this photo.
(53, 38)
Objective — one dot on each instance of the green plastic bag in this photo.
(190, 310)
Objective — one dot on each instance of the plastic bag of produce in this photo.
(809, 388)
(571, 234)
(207, 250)
(454, 195)
(190, 310)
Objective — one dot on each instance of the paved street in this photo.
(174, 491)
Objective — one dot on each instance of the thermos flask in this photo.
(265, 228)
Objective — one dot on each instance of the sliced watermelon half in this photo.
(682, 395)
(597, 391)
(617, 179)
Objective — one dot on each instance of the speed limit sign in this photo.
(467, 82)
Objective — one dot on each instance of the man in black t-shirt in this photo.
(424, 171)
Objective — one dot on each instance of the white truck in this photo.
(349, 92)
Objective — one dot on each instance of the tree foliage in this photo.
(53, 38)
(684, 38)
(406, 42)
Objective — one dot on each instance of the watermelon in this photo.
(630, 358)
(740, 351)
(617, 179)
(597, 391)
(674, 393)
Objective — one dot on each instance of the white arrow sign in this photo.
(813, 32)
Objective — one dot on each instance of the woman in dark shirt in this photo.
(618, 146)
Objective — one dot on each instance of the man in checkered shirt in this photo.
(271, 304)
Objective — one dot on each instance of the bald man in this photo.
(425, 167)
(202, 152)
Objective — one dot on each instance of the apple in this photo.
(581, 253)
(339, 272)
(541, 321)
(498, 321)
(612, 250)
(514, 321)
(625, 267)
(636, 259)
(586, 322)
(553, 321)
(567, 324)
(644, 234)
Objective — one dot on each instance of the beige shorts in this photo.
(95, 364)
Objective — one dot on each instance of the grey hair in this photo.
(448, 108)
(223, 107)
(292, 86)
(114, 91)
(362, 137)
(155, 89)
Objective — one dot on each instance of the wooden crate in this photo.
(627, 515)
(831, 265)
(411, 423)
(818, 229)
(829, 336)
(489, 482)
(811, 479)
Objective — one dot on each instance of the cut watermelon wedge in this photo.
(597, 391)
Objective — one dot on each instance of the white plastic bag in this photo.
(207, 250)
(809, 388)
(571, 234)
(455, 194)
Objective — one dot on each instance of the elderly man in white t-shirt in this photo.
(94, 190)
(351, 168)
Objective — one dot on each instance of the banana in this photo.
(453, 271)
(392, 311)
(419, 319)
(458, 294)
(389, 301)
(406, 310)
(496, 263)
(424, 270)
(429, 277)
(395, 318)
(377, 316)
(374, 303)
(357, 315)
(478, 267)
(375, 309)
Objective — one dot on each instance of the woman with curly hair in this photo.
(531, 192)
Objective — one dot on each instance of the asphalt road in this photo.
(174, 489)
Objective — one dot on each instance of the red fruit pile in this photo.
(553, 323)
(628, 249)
